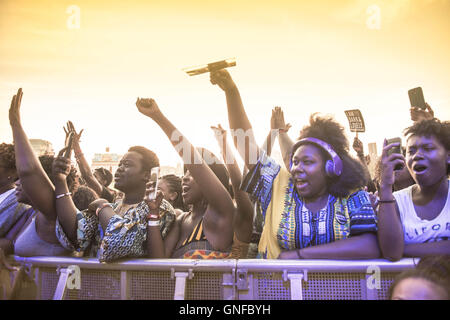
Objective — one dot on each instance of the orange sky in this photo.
(305, 56)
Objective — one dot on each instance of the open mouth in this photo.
(300, 183)
(419, 168)
(185, 189)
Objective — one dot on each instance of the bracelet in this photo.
(153, 223)
(63, 195)
(103, 206)
(298, 254)
(153, 216)
(386, 201)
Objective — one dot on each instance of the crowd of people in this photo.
(320, 203)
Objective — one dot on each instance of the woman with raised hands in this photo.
(206, 231)
(39, 236)
(316, 209)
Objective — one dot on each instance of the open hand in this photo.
(148, 107)
(277, 120)
(223, 79)
(219, 132)
(14, 110)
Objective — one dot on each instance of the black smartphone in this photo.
(69, 142)
(397, 149)
(416, 98)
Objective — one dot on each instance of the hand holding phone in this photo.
(395, 149)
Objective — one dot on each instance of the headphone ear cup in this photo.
(329, 168)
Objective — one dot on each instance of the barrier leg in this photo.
(180, 283)
(69, 278)
(296, 280)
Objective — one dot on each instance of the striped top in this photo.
(197, 234)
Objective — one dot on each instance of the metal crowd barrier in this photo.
(228, 279)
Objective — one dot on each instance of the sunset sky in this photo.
(305, 56)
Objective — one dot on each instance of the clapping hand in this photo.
(14, 110)
(76, 136)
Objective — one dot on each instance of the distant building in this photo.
(41, 147)
(373, 154)
(106, 160)
(165, 170)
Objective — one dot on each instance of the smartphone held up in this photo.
(395, 149)
(154, 178)
(416, 98)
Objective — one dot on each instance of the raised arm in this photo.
(243, 221)
(65, 208)
(29, 168)
(283, 138)
(241, 128)
(212, 189)
(83, 165)
(390, 229)
(358, 146)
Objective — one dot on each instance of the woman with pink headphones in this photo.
(315, 209)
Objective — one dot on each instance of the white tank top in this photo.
(417, 230)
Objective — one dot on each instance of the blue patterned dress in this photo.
(289, 225)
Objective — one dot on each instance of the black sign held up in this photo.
(355, 120)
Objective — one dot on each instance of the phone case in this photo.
(416, 98)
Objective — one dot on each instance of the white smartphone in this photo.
(154, 178)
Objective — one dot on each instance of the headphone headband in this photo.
(334, 166)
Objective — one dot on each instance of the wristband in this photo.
(63, 195)
(386, 201)
(103, 206)
(153, 223)
(153, 216)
